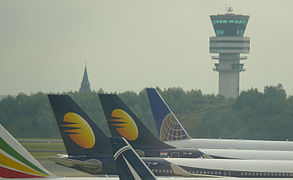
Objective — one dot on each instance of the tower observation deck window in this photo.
(229, 24)
(230, 21)
(219, 32)
(240, 32)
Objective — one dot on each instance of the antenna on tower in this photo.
(85, 62)
(228, 9)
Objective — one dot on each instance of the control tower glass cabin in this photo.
(229, 43)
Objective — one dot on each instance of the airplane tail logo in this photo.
(171, 129)
(15, 161)
(129, 164)
(78, 130)
(80, 134)
(167, 124)
(124, 124)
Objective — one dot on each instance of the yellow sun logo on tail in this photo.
(79, 130)
(124, 124)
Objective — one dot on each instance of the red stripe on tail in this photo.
(8, 173)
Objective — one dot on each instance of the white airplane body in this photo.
(173, 133)
(241, 166)
(247, 154)
(233, 144)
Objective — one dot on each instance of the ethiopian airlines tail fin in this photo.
(167, 124)
(128, 163)
(124, 123)
(16, 162)
(81, 135)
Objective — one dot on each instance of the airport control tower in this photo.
(229, 43)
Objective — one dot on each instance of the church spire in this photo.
(85, 84)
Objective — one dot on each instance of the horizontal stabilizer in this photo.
(206, 156)
(92, 166)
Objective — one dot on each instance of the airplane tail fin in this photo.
(16, 162)
(124, 123)
(80, 134)
(128, 163)
(167, 124)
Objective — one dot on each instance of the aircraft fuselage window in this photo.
(168, 171)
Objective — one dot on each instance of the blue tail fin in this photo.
(128, 163)
(167, 124)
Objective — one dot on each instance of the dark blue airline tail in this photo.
(124, 123)
(80, 134)
(129, 165)
(167, 124)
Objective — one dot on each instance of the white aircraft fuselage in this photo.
(233, 144)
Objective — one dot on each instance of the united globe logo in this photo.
(171, 129)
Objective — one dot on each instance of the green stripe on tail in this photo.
(9, 150)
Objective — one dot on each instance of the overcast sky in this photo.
(133, 44)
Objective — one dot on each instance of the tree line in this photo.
(252, 115)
